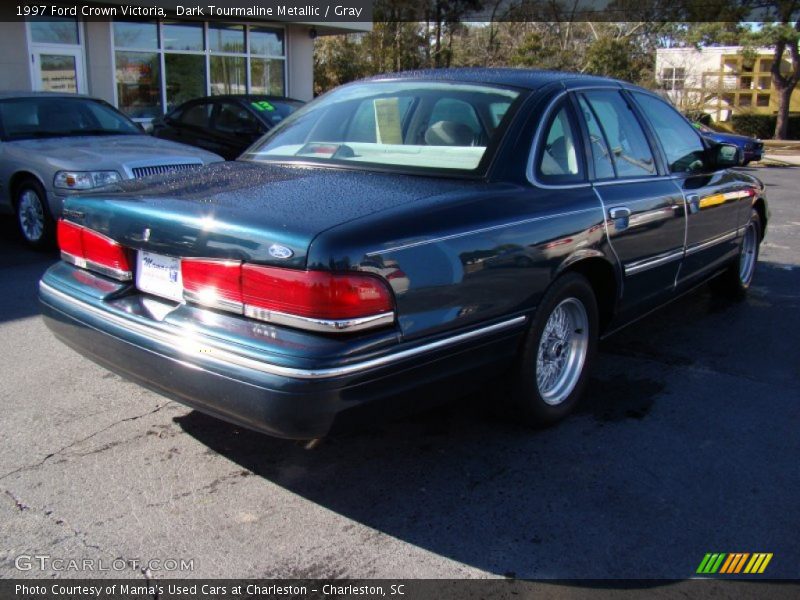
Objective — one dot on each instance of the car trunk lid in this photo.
(246, 211)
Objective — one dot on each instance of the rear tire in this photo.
(34, 220)
(737, 278)
(558, 352)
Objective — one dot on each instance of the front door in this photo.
(58, 69)
(714, 199)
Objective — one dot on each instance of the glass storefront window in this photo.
(54, 31)
(185, 76)
(265, 41)
(136, 35)
(170, 62)
(228, 75)
(139, 83)
(182, 36)
(225, 38)
(266, 76)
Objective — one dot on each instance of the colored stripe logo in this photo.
(734, 563)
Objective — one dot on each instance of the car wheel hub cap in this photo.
(31, 215)
(562, 351)
(747, 259)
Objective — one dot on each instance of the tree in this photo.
(783, 36)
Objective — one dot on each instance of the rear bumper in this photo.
(253, 385)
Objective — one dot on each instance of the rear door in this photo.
(645, 213)
(714, 198)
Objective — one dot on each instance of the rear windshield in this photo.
(45, 117)
(403, 126)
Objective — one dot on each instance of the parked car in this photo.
(752, 148)
(524, 214)
(54, 145)
(227, 125)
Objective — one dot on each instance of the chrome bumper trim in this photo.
(192, 346)
(84, 263)
(320, 325)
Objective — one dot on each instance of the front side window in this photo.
(558, 157)
(681, 144)
(399, 125)
(626, 140)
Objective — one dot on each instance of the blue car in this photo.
(752, 148)
(400, 240)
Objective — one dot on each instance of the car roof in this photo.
(245, 98)
(521, 78)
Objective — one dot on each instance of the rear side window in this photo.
(601, 155)
(232, 118)
(558, 158)
(198, 115)
(681, 144)
(627, 143)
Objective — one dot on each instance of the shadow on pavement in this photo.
(20, 271)
(688, 427)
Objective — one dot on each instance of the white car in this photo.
(54, 145)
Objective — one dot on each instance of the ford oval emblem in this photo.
(278, 251)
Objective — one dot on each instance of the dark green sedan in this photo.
(400, 240)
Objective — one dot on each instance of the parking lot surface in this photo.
(687, 443)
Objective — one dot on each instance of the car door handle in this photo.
(619, 212)
(694, 202)
(621, 217)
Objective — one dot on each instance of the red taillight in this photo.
(314, 294)
(91, 250)
(307, 299)
(215, 283)
(69, 238)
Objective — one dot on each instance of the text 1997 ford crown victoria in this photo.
(398, 240)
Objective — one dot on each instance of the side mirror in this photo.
(726, 155)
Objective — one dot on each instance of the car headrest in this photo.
(449, 133)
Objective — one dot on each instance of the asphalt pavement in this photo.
(687, 443)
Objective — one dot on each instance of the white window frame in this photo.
(669, 82)
(77, 50)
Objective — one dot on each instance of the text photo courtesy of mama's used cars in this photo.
(287, 304)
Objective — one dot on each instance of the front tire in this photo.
(558, 352)
(34, 220)
(736, 280)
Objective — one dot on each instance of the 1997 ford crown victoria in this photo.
(399, 239)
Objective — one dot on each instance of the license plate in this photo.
(159, 275)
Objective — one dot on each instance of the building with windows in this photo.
(720, 80)
(145, 68)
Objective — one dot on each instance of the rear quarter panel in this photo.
(469, 257)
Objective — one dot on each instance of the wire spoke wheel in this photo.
(747, 258)
(562, 351)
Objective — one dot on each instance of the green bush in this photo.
(763, 126)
